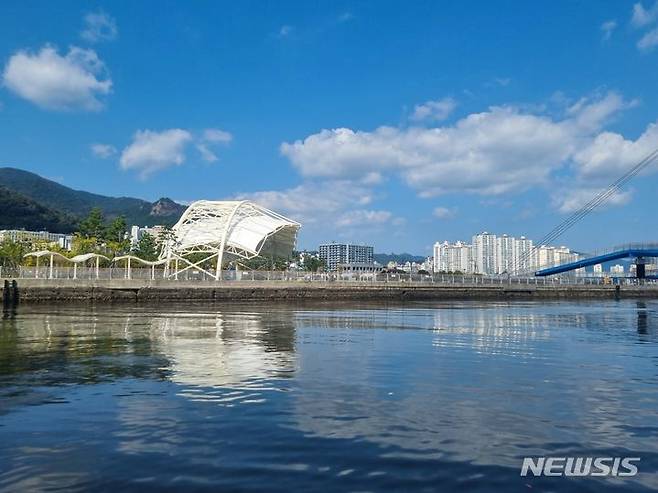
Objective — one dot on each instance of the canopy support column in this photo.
(50, 273)
(222, 243)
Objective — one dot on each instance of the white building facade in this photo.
(489, 254)
(19, 235)
(453, 257)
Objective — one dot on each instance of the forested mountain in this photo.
(20, 212)
(66, 201)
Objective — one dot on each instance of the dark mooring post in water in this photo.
(640, 268)
(10, 294)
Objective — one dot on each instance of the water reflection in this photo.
(238, 350)
(503, 381)
(371, 393)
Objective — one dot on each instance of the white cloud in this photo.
(571, 200)
(153, 151)
(649, 41)
(607, 28)
(434, 110)
(589, 115)
(72, 82)
(643, 17)
(363, 217)
(206, 154)
(217, 135)
(314, 202)
(103, 151)
(444, 213)
(99, 27)
(210, 137)
(609, 154)
(501, 150)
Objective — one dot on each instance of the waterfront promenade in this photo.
(431, 288)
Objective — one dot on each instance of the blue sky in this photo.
(392, 123)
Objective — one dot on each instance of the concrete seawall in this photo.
(42, 290)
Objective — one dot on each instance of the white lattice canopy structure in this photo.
(225, 230)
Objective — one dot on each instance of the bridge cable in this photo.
(590, 206)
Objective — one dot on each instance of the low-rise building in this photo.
(359, 268)
(20, 235)
(137, 232)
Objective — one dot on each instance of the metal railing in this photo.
(153, 274)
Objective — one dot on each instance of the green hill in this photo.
(78, 203)
(20, 212)
(400, 258)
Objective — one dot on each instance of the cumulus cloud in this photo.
(331, 205)
(99, 27)
(103, 151)
(314, 202)
(444, 213)
(152, 151)
(434, 110)
(76, 81)
(644, 16)
(607, 28)
(609, 154)
(498, 151)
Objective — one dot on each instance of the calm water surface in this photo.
(419, 397)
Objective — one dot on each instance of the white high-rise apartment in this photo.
(453, 257)
(563, 255)
(507, 254)
(524, 254)
(545, 257)
(484, 250)
(490, 254)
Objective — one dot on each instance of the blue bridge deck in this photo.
(599, 259)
